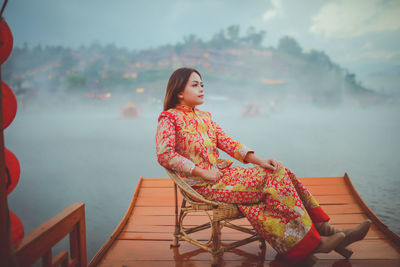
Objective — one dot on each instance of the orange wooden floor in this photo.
(144, 235)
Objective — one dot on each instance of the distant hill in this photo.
(386, 81)
(230, 65)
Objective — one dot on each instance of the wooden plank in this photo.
(307, 181)
(152, 263)
(374, 232)
(159, 191)
(169, 202)
(148, 233)
(342, 208)
(156, 179)
(150, 228)
(348, 218)
(139, 210)
(230, 263)
(335, 199)
(357, 263)
(151, 182)
(203, 236)
(44, 237)
(192, 220)
(60, 259)
(169, 229)
(368, 249)
(227, 234)
(170, 220)
(155, 202)
(133, 250)
(329, 209)
(160, 250)
(341, 189)
(314, 189)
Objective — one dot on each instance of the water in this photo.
(91, 155)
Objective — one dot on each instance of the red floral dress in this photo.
(276, 204)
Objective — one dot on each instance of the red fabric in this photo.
(188, 137)
(317, 215)
(306, 246)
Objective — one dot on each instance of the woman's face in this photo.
(193, 94)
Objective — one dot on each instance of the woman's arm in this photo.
(170, 159)
(229, 145)
(271, 164)
(241, 152)
(214, 174)
(165, 148)
(211, 175)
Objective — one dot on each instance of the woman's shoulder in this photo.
(204, 113)
(170, 114)
(174, 114)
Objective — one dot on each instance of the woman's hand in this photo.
(211, 175)
(271, 164)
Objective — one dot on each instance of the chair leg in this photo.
(175, 241)
(216, 227)
(262, 244)
(214, 260)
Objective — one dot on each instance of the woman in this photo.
(277, 205)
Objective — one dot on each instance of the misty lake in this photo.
(90, 154)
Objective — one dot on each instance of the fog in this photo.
(293, 81)
(90, 154)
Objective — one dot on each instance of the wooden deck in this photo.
(144, 235)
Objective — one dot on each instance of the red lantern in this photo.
(9, 105)
(13, 170)
(17, 229)
(6, 41)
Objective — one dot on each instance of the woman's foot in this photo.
(329, 243)
(326, 229)
(353, 235)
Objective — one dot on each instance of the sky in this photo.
(361, 35)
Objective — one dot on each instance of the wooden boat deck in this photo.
(144, 235)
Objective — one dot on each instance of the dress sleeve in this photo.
(165, 146)
(230, 145)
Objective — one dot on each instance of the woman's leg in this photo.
(320, 219)
(238, 185)
(272, 205)
(316, 213)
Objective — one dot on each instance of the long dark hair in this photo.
(176, 84)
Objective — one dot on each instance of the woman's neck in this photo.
(185, 107)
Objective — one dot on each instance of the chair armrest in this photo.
(186, 188)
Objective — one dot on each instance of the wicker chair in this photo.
(220, 215)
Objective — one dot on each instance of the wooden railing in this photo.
(39, 243)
